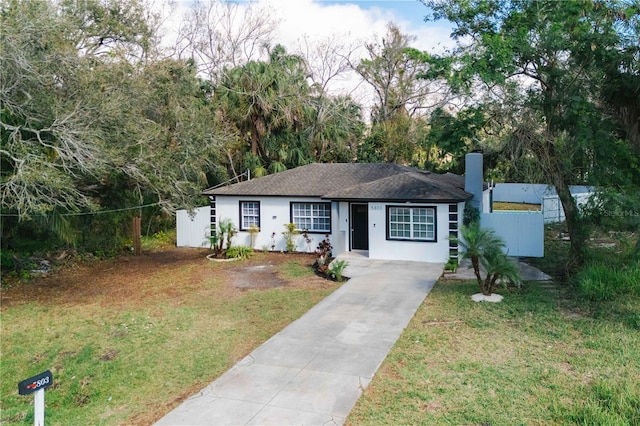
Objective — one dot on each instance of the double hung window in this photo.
(411, 223)
(312, 217)
(249, 214)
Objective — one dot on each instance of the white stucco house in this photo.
(386, 211)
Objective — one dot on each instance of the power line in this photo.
(237, 178)
(93, 213)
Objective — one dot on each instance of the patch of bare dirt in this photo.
(158, 275)
(257, 276)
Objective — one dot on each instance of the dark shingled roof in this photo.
(353, 181)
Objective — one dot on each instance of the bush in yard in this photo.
(451, 265)
(483, 247)
(323, 255)
(238, 252)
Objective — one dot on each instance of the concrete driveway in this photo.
(313, 371)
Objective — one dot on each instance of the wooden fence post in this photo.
(137, 230)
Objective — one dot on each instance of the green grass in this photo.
(542, 356)
(123, 363)
(527, 360)
(291, 270)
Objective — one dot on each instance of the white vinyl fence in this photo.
(542, 194)
(193, 229)
(522, 232)
(531, 193)
(552, 207)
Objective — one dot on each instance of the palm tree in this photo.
(484, 248)
(265, 100)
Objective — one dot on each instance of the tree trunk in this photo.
(486, 288)
(551, 160)
(254, 138)
(476, 269)
(577, 230)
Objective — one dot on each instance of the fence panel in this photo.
(552, 207)
(522, 232)
(193, 230)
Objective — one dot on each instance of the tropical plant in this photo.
(221, 235)
(336, 268)
(485, 248)
(227, 230)
(290, 237)
(238, 252)
(264, 102)
(323, 254)
(451, 265)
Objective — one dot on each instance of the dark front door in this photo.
(359, 227)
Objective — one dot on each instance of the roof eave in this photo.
(261, 195)
(399, 200)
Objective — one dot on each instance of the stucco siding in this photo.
(340, 235)
(275, 213)
(421, 251)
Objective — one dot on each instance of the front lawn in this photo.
(542, 356)
(128, 339)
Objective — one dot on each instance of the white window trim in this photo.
(326, 206)
(434, 209)
(244, 226)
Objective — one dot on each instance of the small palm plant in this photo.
(336, 268)
(483, 247)
(221, 235)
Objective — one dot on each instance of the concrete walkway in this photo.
(314, 370)
(527, 272)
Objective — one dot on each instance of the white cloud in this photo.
(314, 19)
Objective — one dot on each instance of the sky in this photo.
(359, 19)
(356, 22)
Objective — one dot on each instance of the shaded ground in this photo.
(129, 279)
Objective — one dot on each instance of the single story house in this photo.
(387, 211)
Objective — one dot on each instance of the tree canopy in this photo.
(552, 66)
(97, 114)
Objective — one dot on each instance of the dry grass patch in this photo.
(129, 339)
(497, 205)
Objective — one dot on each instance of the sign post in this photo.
(36, 385)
